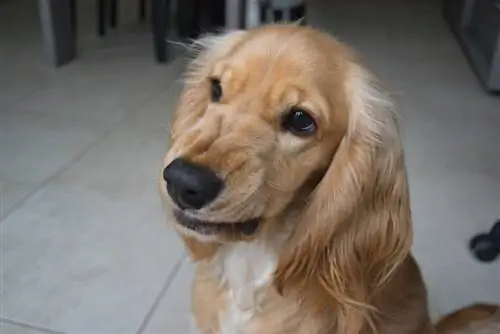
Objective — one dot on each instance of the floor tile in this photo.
(125, 166)
(33, 147)
(19, 82)
(105, 97)
(173, 314)
(78, 261)
(97, 238)
(158, 112)
(455, 146)
(106, 84)
(12, 194)
(449, 208)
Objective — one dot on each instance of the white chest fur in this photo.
(246, 271)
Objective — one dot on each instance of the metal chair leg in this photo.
(160, 13)
(142, 10)
(101, 17)
(218, 13)
(58, 34)
(188, 18)
(113, 13)
(73, 18)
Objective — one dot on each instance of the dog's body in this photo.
(233, 294)
(287, 181)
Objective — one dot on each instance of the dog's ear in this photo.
(356, 228)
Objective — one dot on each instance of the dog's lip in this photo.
(247, 227)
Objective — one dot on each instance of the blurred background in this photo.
(87, 89)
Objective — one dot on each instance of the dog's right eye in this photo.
(216, 89)
(299, 122)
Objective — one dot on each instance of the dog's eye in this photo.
(299, 122)
(216, 89)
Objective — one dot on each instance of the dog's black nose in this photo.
(191, 186)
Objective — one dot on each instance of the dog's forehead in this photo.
(284, 53)
(288, 52)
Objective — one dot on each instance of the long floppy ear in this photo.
(356, 229)
(205, 52)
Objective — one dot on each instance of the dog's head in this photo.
(280, 118)
(262, 114)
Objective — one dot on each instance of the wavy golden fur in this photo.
(332, 250)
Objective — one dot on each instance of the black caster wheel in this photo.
(484, 248)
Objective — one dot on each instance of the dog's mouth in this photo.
(246, 228)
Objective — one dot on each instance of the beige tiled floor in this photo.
(84, 246)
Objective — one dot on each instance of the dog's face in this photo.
(261, 116)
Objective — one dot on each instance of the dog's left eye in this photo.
(216, 89)
(299, 122)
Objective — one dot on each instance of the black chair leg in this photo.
(218, 13)
(160, 13)
(142, 10)
(74, 18)
(299, 13)
(101, 17)
(113, 13)
(188, 18)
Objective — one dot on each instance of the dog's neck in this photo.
(245, 270)
(246, 264)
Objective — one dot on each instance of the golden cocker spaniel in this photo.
(286, 180)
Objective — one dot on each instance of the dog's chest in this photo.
(246, 271)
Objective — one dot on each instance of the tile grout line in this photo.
(28, 326)
(61, 170)
(15, 104)
(92, 145)
(163, 291)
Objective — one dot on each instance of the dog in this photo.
(287, 183)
